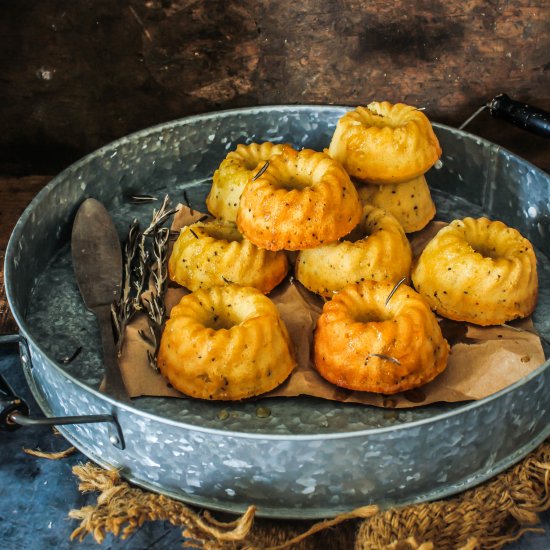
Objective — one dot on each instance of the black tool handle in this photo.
(14, 412)
(529, 118)
(9, 404)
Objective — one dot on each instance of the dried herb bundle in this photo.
(140, 268)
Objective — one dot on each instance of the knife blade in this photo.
(97, 264)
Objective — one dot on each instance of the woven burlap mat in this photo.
(489, 516)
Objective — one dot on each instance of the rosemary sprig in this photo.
(261, 171)
(159, 217)
(187, 202)
(130, 248)
(141, 199)
(70, 358)
(394, 289)
(137, 269)
(143, 268)
(154, 302)
(383, 356)
(141, 273)
(124, 309)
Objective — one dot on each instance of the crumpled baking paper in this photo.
(483, 360)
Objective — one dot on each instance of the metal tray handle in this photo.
(14, 411)
(529, 118)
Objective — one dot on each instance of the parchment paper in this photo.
(483, 360)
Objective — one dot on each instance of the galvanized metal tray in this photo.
(310, 458)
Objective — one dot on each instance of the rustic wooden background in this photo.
(75, 75)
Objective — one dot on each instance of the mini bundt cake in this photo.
(225, 343)
(303, 199)
(363, 343)
(409, 202)
(214, 253)
(385, 143)
(234, 173)
(377, 249)
(479, 271)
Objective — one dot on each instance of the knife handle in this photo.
(113, 383)
(529, 118)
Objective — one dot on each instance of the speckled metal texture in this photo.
(309, 458)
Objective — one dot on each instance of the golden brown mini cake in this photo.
(214, 253)
(233, 174)
(479, 271)
(303, 199)
(377, 249)
(225, 343)
(385, 143)
(362, 343)
(409, 202)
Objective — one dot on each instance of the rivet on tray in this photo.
(223, 415)
(263, 412)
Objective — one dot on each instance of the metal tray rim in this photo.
(444, 491)
(320, 513)
(301, 437)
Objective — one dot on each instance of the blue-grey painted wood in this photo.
(37, 494)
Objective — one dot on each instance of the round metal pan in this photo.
(310, 458)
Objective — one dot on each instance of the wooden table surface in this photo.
(74, 77)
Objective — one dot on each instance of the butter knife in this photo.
(97, 264)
